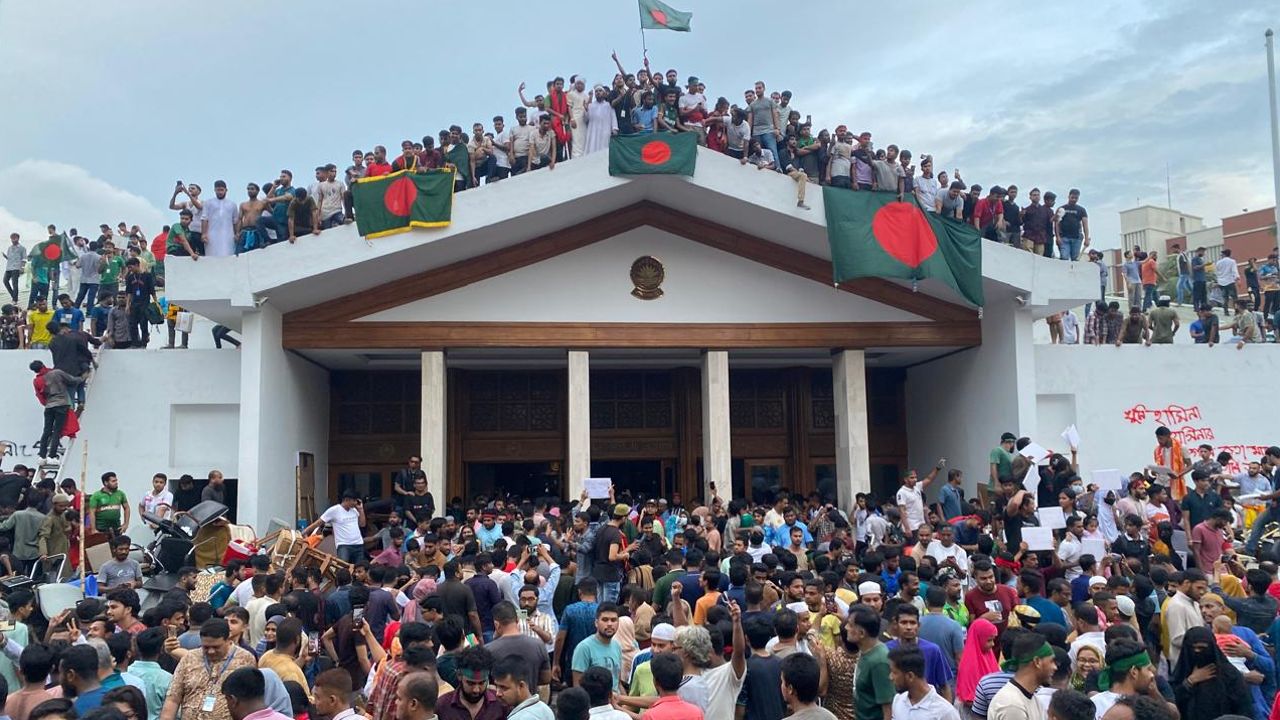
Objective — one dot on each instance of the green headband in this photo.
(1013, 664)
(1120, 667)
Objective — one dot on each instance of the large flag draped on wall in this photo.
(390, 204)
(661, 153)
(873, 234)
(656, 15)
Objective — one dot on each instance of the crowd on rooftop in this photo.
(1045, 596)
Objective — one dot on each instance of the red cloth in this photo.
(976, 660)
(72, 426)
(986, 211)
(559, 103)
(159, 244)
(377, 169)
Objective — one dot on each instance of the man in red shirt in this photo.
(989, 213)
(990, 600)
(668, 673)
(377, 165)
(1208, 540)
(1150, 276)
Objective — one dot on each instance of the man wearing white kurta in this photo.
(578, 98)
(219, 225)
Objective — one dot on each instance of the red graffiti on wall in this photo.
(1169, 415)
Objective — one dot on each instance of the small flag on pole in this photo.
(656, 15)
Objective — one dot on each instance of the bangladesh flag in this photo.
(53, 250)
(661, 153)
(873, 234)
(390, 204)
(655, 15)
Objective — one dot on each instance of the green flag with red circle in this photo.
(874, 234)
(655, 15)
(390, 204)
(661, 153)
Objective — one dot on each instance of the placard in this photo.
(1179, 541)
(1037, 538)
(1034, 452)
(598, 488)
(1052, 517)
(1096, 548)
(1072, 436)
(1109, 479)
(1031, 481)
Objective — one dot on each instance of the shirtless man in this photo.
(251, 215)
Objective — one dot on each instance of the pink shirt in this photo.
(1212, 544)
(266, 714)
(669, 707)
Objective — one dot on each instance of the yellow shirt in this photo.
(39, 324)
(284, 666)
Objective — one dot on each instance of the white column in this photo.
(435, 437)
(717, 458)
(578, 468)
(853, 459)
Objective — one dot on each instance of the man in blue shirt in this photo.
(936, 669)
(645, 116)
(781, 535)
(68, 314)
(951, 496)
(577, 623)
(80, 677)
(1033, 590)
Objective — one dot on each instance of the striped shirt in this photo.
(988, 686)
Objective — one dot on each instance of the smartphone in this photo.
(357, 615)
(524, 614)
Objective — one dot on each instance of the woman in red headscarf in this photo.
(977, 660)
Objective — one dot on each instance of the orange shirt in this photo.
(701, 607)
(1148, 270)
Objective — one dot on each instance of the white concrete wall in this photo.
(958, 406)
(148, 411)
(593, 284)
(284, 410)
(1098, 388)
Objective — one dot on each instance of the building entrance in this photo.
(648, 478)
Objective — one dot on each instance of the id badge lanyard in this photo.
(211, 697)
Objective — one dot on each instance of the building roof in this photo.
(339, 264)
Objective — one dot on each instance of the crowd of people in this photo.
(1044, 596)
(1150, 318)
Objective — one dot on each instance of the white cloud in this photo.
(38, 192)
(31, 231)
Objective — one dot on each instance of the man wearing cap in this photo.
(1001, 460)
(1128, 671)
(661, 639)
(1032, 664)
(611, 554)
(1164, 322)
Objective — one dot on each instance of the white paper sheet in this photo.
(1038, 538)
(1072, 436)
(1034, 452)
(1052, 517)
(1180, 541)
(1109, 479)
(598, 488)
(1096, 548)
(1031, 481)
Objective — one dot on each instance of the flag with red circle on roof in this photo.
(874, 234)
(390, 204)
(655, 15)
(662, 153)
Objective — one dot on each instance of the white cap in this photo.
(663, 631)
(1125, 605)
(1097, 580)
(870, 587)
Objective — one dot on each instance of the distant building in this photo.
(1250, 235)
(1150, 227)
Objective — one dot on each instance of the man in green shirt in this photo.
(954, 607)
(112, 266)
(1001, 460)
(178, 243)
(1164, 322)
(872, 691)
(108, 507)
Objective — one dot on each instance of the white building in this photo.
(509, 350)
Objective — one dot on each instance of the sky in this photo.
(107, 104)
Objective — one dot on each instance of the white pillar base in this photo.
(717, 457)
(853, 451)
(435, 436)
(578, 468)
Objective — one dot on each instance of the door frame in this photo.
(388, 469)
(748, 463)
